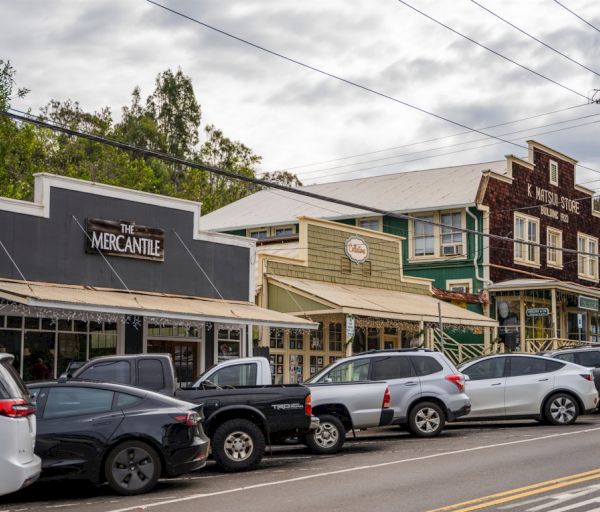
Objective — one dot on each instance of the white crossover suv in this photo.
(527, 386)
(19, 466)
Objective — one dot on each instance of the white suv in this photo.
(426, 389)
(19, 466)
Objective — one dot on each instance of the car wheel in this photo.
(328, 437)
(426, 419)
(238, 445)
(133, 467)
(561, 409)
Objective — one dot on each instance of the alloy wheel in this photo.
(563, 409)
(427, 420)
(132, 468)
(326, 435)
(238, 446)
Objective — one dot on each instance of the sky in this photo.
(96, 52)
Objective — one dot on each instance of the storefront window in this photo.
(103, 339)
(316, 338)
(229, 343)
(38, 355)
(10, 342)
(335, 337)
(296, 339)
(372, 339)
(276, 338)
(316, 364)
(71, 347)
(172, 331)
(577, 326)
(508, 319)
(277, 368)
(296, 368)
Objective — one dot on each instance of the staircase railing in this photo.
(454, 350)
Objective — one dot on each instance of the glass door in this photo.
(185, 357)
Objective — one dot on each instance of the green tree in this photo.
(287, 178)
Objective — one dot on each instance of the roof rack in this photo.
(388, 350)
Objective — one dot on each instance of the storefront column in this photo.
(554, 323)
(523, 344)
(486, 339)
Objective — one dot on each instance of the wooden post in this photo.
(554, 323)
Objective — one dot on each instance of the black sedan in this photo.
(125, 436)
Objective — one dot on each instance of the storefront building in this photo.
(89, 269)
(350, 281)
(542, 297)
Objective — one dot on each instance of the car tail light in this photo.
(308, 405)
(16, 408)
(191, 419)
(587, 376)
(458, 380)
(387, 398)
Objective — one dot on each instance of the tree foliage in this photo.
(168, 120)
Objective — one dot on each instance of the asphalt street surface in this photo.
(510, 466)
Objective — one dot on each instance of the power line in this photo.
(457, 151)
(490, 49)
(577, 15)
(535, 38)
(447, 146)
(268, 184)
(337, 77)
(434, 139)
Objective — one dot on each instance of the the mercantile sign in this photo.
(125, 239)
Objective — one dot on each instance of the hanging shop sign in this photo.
(533, 312)
(125, 239)
(350, 327)
(587, 303)
(356, 249)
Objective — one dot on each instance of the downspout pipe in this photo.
(476, 249)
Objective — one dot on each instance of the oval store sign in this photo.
(356, 249)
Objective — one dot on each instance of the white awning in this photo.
(379, 303)
(155, 305)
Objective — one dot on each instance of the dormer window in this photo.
(553, 173)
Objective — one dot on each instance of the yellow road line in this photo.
(520, 492)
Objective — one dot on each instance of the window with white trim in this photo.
(459, 286)
(271, 232)
(527, 229)
(587, 264)
(452, 236)
(424, 238)
(554, 239)
(553, 172)
(596, 205)
(373, 223)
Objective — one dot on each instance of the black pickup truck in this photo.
(240, 422)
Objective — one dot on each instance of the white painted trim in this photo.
(522, 261)
(558, 232)
(552, 163)
(452, 282)
(549, 151)
(44, 182)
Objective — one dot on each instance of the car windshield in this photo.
(201, 377)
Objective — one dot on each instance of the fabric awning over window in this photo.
(156, 305)
(380, 303)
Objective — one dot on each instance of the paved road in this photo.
(518, 466)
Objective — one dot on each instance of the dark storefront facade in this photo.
(89, 269)
(543, 297)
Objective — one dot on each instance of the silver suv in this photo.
(426, 388)
(19, 466)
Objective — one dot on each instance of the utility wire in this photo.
(535, 38)
(449, 146)
(577, 15)
(434, 139)
(337, 77)
(263, 183)
(490, 49)
(455, 152)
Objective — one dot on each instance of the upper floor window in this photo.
(452, 237)
(587, 262)
(424, 238)
(596, 205)
(459, 285)
(438, 235)
(373, 223)
(271, 232)
(527, 229)
(554, 239)
(553, 173)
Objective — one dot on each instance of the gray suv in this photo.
(583, 356)
(426, 388)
